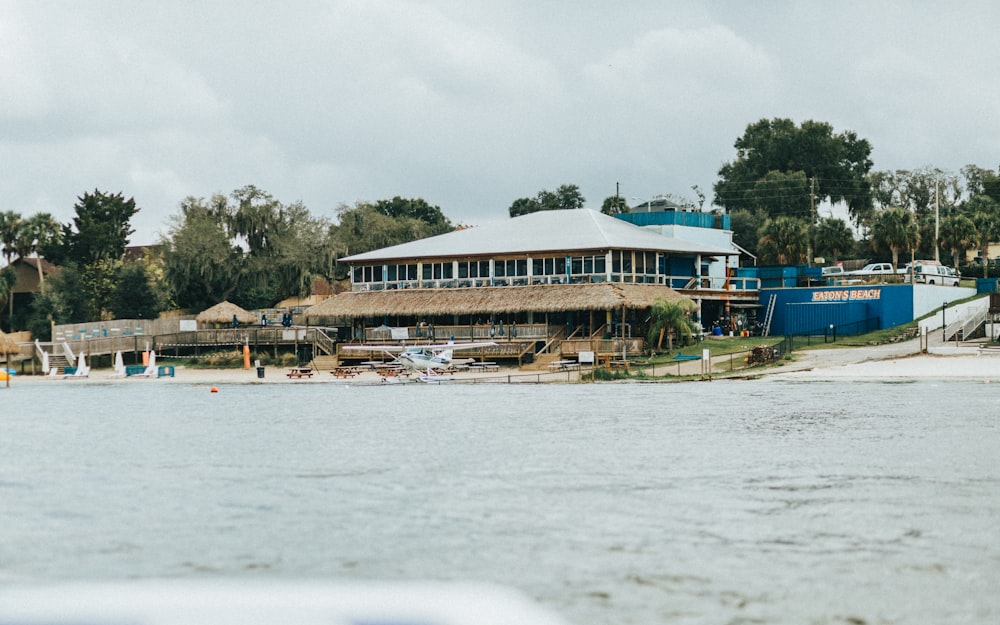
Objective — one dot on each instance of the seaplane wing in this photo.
(428, 358)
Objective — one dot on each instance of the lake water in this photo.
(761, 501)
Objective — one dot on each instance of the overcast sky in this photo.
(468, 105)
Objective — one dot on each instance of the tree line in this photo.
(246, 247)
(250, 248)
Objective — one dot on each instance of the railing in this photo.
(632, 346)
(322, 340)
(962, 327)
(441, 333)
(678, 282)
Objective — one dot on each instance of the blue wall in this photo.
(679, 218)
(811, 310)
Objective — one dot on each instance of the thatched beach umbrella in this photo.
(224, 312)
(7, 347)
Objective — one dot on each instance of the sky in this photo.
(468, 105)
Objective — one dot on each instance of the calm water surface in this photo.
(725, 502)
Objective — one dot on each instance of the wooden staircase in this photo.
(58, 362)
(324, 363)
(541, 362)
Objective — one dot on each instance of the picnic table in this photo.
(345, 372)
(484, 366)
(300, 372)
(564, 365)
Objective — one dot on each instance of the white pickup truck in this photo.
(873, 269)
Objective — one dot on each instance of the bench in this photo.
(563, 365)
(484, 366)
(299, 372)
(344, 372)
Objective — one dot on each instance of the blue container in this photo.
(987, 285)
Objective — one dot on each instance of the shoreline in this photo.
(893, 362)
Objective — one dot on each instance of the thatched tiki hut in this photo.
(7, 347)
(589, 305)
(222, 315)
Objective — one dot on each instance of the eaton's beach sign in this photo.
(846, 295)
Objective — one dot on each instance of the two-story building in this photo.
(575, 272)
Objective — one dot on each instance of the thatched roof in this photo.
(223, 313)
(7, 343)
(492, 300)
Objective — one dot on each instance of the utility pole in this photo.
(937, 225)
(618, 202)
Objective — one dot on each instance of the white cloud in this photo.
(468, 105)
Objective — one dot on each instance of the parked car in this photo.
(873, 270)
(933, 273)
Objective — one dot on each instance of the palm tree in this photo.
(832, 236)
(895, 229)
(35, 233)
(958, 233)
(10, 223)
(671, 318)
(986, 217)
(784, 241)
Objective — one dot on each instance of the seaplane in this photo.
(430, 360)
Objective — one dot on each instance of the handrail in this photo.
(557, 336)
(322, 339)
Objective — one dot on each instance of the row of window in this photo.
(645, 263)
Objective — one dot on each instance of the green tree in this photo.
(400, 208)
(671, 319)
(895, 229)
(362, 228)
(100, 230)
(613, 205)
(746, 226)
(201, 264)
(958, 233)
(10, 224)
(779, 193)
(134, 296)
(37, 232)
(985, 215)
(567, 196)
(836, 165)
(65, 301)
(832, 236)
(784, 241)
(8, 277)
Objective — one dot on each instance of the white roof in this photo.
(543, 231)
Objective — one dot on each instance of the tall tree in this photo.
(567, 196)
(832, 236)
(416, 208)
(100, 230)
(134, 296)
(10, 224)
(835, 164)
(895, 229)
(958, 234)
(37, 232)
(985, 214)
(202, 264)
(784, 241)
(613, 205)
(780, 193)
(746, 227)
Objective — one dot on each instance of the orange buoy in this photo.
(215, 389)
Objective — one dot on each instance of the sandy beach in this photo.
(897, 361)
